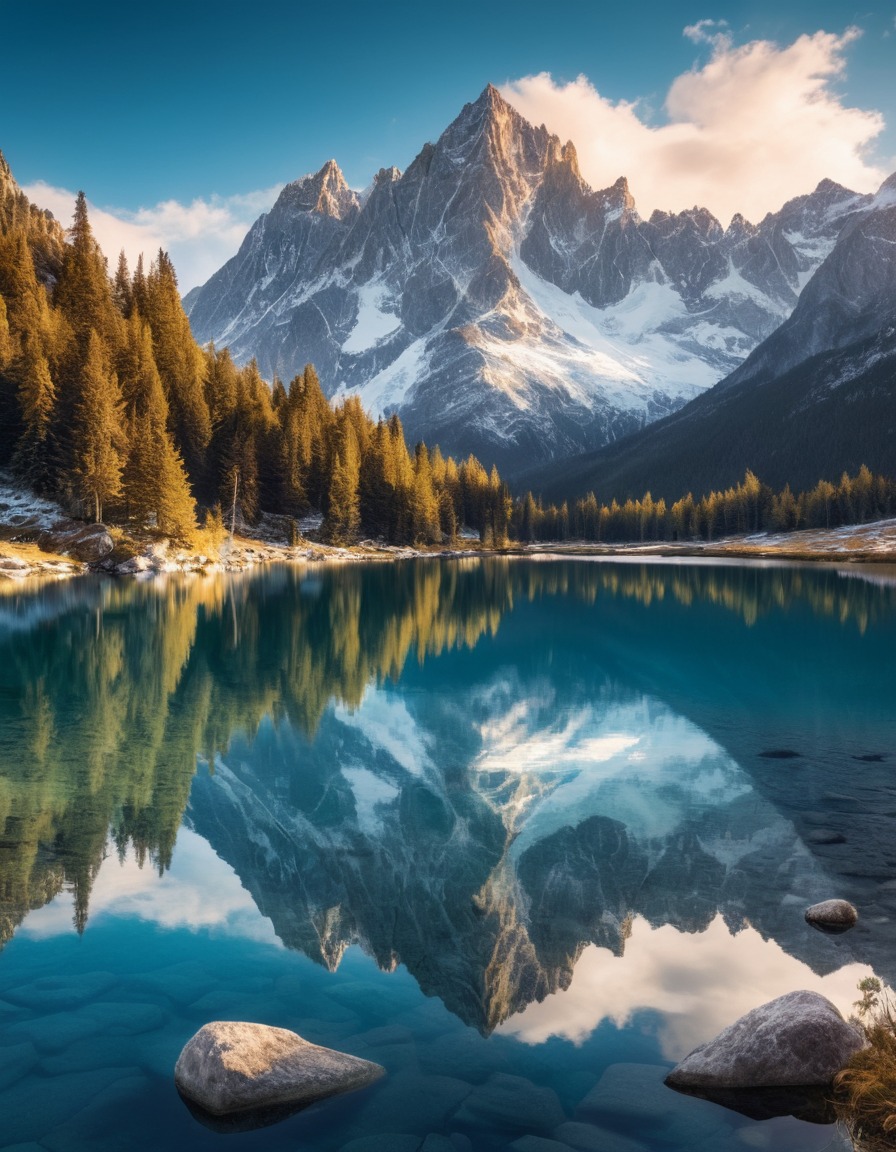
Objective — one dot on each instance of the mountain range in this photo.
(500, 305)
(814, 399)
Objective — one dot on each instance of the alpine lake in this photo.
(524, 832)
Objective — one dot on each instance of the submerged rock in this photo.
(234, 1067)
(832, 916)
(799, 1039)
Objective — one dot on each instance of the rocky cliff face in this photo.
(497, 303)
(42, 231)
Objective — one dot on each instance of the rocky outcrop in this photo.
(89, 543)
(799, 1039)
(236, 1067)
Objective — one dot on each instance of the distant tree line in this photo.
(751, 506)
(108, 405)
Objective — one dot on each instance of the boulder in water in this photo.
(233, 1066)
(832, 916)
(800, 1039)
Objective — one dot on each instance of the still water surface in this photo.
(524, 833)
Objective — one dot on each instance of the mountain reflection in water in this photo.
(490, 771)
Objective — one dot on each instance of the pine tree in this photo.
(98, 436)
(121, 286)
(343, 507)
(180, 363)
(6, 344)
(154, 481)
(37, 398)
(425, 505)
(83, 293)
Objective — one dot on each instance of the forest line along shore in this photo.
(873, 543)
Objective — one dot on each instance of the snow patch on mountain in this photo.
(618, 345)
(372, 324)
(389, 388)
(371, 793)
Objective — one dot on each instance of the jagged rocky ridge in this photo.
(813, 400)
(499, 304)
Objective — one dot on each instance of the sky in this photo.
(181, 121)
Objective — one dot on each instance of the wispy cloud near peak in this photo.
(745, 130)
(199, 236)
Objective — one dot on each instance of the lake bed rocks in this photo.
(797, 1039)
(230, 1066)
(833, 916)
(506, 1101)
(634, 1099)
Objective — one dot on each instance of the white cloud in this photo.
(746, 130)
(200, 892)
(199, 236)
(699, 983)
(713, 32)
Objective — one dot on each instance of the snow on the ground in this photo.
(372, 323)
(878, 536)
(20, 505)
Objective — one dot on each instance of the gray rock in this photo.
(53, 993)
(434, 1142)
(423, 1102)
(383, 1142)
(799, 1039)
(25, 1119)
(231, 1066)
(89, 1127)
(512, 1102)
(15, 1061)
(538, 1144)
(832, 915)
(88, 543)
(631, 1096)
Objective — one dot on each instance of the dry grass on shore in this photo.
(867, 1086)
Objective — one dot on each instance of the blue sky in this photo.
(180, 116)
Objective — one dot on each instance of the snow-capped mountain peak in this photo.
(498, 303)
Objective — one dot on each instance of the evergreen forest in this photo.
(108, 405)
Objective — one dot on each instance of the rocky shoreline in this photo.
(26, 560)
(38, 541)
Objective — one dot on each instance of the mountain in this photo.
(39, 227)
(815, 398)
(499, 304)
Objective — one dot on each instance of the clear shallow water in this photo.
(510, 829)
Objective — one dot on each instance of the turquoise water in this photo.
(525, 833)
